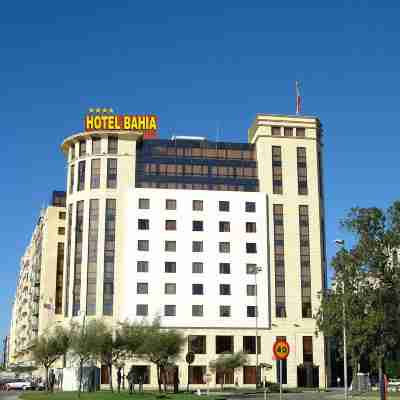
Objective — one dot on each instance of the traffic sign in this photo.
(281, 349)
(190, 357)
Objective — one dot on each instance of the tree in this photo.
(48, 347)
(228, 362)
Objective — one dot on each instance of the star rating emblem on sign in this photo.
(100, 110)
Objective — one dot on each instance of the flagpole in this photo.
(298, 98)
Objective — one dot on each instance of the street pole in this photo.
(280, 379)
(257, 270)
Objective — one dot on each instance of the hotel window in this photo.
(72, 178)
(224, 268)
(111, 173)
(170, 310)
(197, 246)
(276, 131)
(249, 344)
(142, 266)
(68, 260)
(170, 245)
(277, 170)
(143, 224)
(251, 227)
(251, 248)
(197, 226)
(197, 267)
(250, 206)
(73, 152)
(251, 290)
(197, 343)
(142, 288)
(81, 175)
(280, 302)
(95, 173)
(251, 311)
(112, 147)
(170, 204)
(82, 148)
(62, 215)
(224, 311)
(76, 293)
(224, 226)
(287, 131)
(59, 278)
(251, 268)
(224, 290)
(142, 310)
(170, 225)
(197, 289)
(61, 230)
(224, 344)
(143, 245)
(302, 170)
(170, 288)
(109, 257)
(197, 310)
(224, 247)
(144, 204)
(96, 145)
(305, 267)
(224, 206)
(197, 205)
(300, 132)
(307, 349)
(170, 267)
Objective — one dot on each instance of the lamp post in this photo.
(256, 271)
(340, 243)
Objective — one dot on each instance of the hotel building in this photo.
(207, 235)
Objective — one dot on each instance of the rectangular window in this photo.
(224, 268)
(224, 247)
(142, 266)
(170, 245)
(61, 230)
(251, 248)
(224, 206)
(275, 130)
(112, 147)
(251, 311)
(279, 256)
(170, 288)
(170, 204)
(224, 226)
(95, 173)
(111, 173)
(302, 170)
(144, 204)
(305, 266)
(170, 225)
(197, 267)
(251, 227)
(143, 224)
(249, 344)
(78, 258)
(307, 349)
(250, 206)
(68, 261)
(197, 343)
(287, 131)
(59, 278)
(196, 374)
(277, 170)
(225, 290)
(71, 178)
(170, 267)
(197, 205)
(251, 268)
(73, 152)
(197, 289)
(62, 215)
(224, 311)
(170, 310)
(109, 257)
(96, 145)
(251, 290)
(197, 310)
(197, 226)
(143, 245)
(142, 310)
(142, 288)
(300, 132)
(224, 344)
(81, 175)
(197, 246)
(82, 148)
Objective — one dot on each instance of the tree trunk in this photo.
(164, 378)
(111, 381)
(381, 379)
(80, 377)
(159, 378)
(47, 378)
(355, 384)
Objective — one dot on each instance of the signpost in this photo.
(189, 360)
(281, 351)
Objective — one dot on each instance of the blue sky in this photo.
(197, 65)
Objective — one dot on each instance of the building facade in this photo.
(39, 295)
(218, 239)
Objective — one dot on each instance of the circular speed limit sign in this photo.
(281, 349)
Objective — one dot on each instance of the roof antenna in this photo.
(298, 98)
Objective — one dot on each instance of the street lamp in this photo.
(256, 271)
(340, 242)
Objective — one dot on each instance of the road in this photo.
(12, 395)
